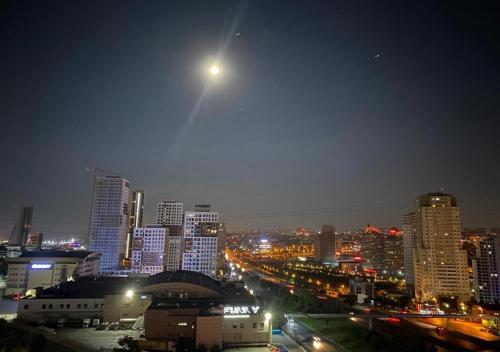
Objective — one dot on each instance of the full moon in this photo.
(214, 70)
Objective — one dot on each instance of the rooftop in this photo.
(55, 254)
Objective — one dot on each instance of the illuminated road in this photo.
(306, 337)
(464, 327)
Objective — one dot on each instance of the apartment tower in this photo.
(440, 263)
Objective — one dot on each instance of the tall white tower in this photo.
(108, 220)
(440, 262)
(200, 240)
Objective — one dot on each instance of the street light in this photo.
(129, 294)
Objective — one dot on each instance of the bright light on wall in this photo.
(129, 293)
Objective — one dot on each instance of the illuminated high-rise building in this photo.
(170, 214)
(486, 271)
(135, 218)
(22, 228)
(201, 229)
(409, 244)
(108, 220)
(148, 246)
(325, 251)
(440, 262)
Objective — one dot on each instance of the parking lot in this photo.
(93, 339)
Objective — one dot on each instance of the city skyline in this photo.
(363, 107)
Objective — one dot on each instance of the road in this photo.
(289, 344)
(464, 327)
(306, 337)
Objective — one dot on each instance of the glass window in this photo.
(235, 325)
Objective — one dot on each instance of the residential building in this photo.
(170, 213)
(148, 246)
(108, 220)
(325, 251)
(44, 269)
(135, 218)
(200, 240)
(22, 228)
(486, 270)
(440, 262)
(409, 245)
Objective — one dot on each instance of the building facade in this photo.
(172, 258)
(326, 249)
(147, 249)
(200, 241)
(108, 220)
(170, 213)
(135, 218)
(486, 270)
(440, 262)
(22, 228)
(48, 268)
(409, 245)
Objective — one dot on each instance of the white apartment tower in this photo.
(409, 244)
(200, 240)
(170, 214)
(148, 246)
(440, 263)
(108, 220)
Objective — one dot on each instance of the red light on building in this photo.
(371, 229)
(395, 231)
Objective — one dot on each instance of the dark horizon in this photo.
(338, 112)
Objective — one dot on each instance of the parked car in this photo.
(102, 326)
(86, 323)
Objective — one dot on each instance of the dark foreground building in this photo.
(171, 306)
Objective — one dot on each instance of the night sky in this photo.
(335, 112)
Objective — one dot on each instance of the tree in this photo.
(129, 344)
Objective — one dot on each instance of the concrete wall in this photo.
(209, 331)
(253, 329)
(170, 324)
(51, 310)
(118, 307)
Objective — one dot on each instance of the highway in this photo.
(309, 338)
